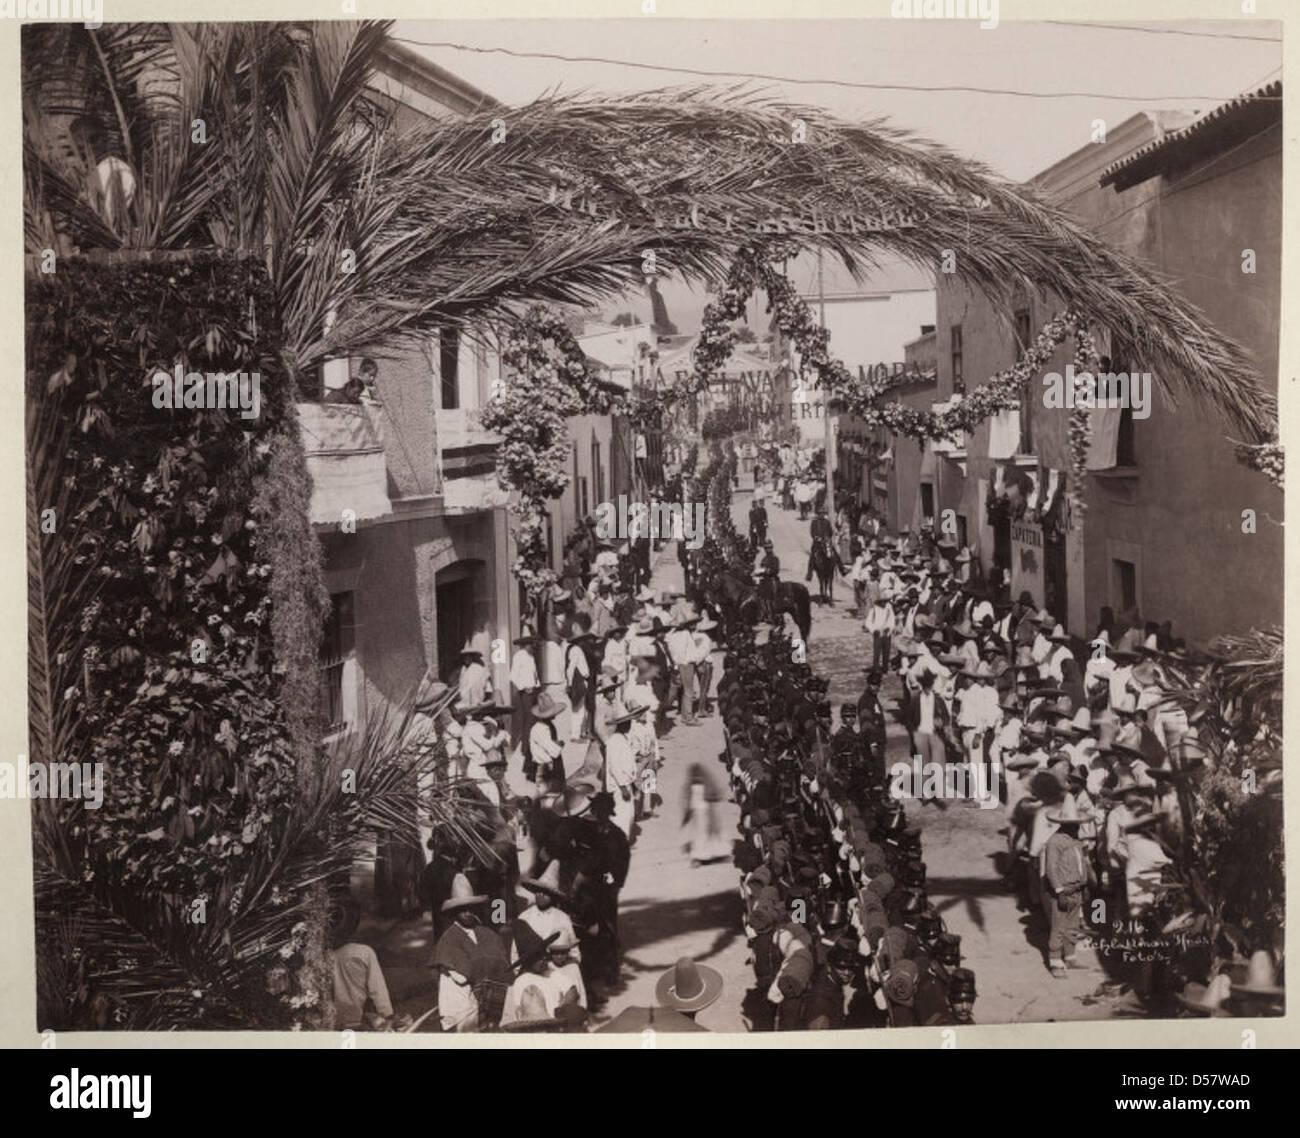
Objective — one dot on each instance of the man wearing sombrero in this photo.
(544, 742)
(620, 768)
(1067, 874)
(474, 680)
(688, 987)
(472, 964)
(545, 918)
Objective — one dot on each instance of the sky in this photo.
(1107, 72)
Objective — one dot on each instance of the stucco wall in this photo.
(1179, 519)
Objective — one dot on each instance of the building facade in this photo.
(1164, 535)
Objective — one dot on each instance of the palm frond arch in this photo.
(561, 199)
(567, 205)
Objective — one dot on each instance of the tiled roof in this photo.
(1241, 117)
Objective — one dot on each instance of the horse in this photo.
(823, 563)
(789, 597)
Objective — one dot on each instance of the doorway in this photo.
(455, 600)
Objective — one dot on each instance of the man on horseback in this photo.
(822, 531)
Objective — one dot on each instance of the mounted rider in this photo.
(769, 570)
(821, 530)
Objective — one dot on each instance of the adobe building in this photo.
(1199, 199)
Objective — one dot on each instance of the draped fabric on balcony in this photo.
(1103, 448)
(345, 457)
(1004, 434)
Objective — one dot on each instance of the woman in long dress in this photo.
(704, 840)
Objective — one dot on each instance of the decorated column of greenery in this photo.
(183, 535)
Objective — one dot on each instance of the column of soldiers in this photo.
(836, 911)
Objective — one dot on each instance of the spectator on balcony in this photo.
(350, 392)
(369, 374)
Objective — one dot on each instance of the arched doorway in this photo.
(461, 602)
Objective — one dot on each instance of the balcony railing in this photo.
(344, 443)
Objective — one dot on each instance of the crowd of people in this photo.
(1083, 745)
(1088, 745)
(527, 935)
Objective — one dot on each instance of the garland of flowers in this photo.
(1264, 457)
(1087, 366)
(755, 266)
(550, 381)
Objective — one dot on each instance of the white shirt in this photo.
(475, 685)
(1120, 697)
(545, 749)
(926, 709)
(1056, 659)
(620, 760)
(616, 656)
(681, 646)
(575, 662)
(880, 618)
(523, 671)
(637, 694)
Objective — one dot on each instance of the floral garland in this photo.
(868, 400)
(1264, 457)
(550, 381)
(1079, 429)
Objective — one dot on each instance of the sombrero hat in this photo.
(462, 895)
(688, 987)
(628, 715)
(549, 882)
(546, 707)
(1207, 999)
(1261, 978)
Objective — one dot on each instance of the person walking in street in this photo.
(1067, 873)
(682, 650)
(620, 769)
(544, 743)
(704, 840)
(757, 523)
(577, 679)
(880, 623)
(929, 721)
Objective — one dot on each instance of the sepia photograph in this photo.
(650, 525)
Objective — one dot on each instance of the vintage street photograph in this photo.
(653, 525)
